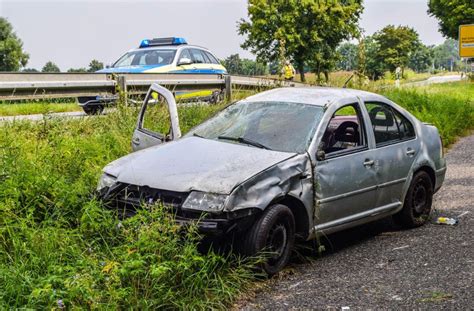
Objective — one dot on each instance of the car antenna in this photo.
(348, 80)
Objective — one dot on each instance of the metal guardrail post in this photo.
(228, 88)
(122, 89)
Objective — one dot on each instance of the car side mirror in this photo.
(108, 65)
(184, 61)
(320, 155)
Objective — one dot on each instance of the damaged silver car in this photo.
(282, 164)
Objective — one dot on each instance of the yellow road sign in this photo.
(466, 40)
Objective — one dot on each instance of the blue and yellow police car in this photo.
(159, 55)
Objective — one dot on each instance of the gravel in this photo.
(379, 266)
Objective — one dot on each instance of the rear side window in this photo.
(198, 56)
(389, 126)
(211, 58)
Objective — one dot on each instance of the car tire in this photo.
(93, 110)
(417, 205)
(274, 235)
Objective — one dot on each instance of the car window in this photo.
(345, 131)
(185, 54)
(405, 127)
(211, 57)
(279, 126)
(157, 117)
(197, 56)
(388, 125)
(146, 57)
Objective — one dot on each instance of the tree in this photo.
(421, 59)
(29, 70)
(451, 14)
(95, 65)
(347, 56)
(12, 56)
(50, 67)
(75, 70)
(372, 67)
(301, 30)
(242, 66)
(395, 46)
(446, 55)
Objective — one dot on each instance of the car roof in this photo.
(319, 96)
(169, 47)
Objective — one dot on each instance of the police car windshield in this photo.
(146, 57)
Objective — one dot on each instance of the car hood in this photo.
(194, 163)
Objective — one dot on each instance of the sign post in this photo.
(466, 41)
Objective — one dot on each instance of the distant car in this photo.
(285, 163)
(160, 55)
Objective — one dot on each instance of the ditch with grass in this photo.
(60, 248)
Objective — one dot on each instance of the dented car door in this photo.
(158, 119)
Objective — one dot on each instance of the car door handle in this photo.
(368, 162)
(136, 140)
(410, 152)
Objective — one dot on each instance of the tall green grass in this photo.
(15, 109)
(449, 106)
(59, 247)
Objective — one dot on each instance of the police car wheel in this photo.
(93, 110)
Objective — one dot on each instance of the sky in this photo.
(73, 32)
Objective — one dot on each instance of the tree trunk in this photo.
(301, 71)
(326, 76)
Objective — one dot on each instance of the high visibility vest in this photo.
(289, 71)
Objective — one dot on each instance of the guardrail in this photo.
(16, 86)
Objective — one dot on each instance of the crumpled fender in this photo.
(289, 177)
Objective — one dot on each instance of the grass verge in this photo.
(15, 109)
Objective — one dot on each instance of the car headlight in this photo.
(106, 181)
(204, 201)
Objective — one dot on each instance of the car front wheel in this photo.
(272, 236)
(417, 205)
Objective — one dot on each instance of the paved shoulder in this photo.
(380, 267)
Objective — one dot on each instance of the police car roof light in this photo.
(162, 41)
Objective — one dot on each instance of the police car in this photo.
(160, 55)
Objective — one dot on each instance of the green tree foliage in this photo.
(29, 70)
(421, 59)
(348, 56)
(395, 46)
(12, 56)
(373, 68)
(95, 65)
(446, 55)
(305, 30)
(242, 66)
(451, 14)
(50, 67)
(76, 70)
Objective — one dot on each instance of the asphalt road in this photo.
(380, 266)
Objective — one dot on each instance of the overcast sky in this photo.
(72, 32)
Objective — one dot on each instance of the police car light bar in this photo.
(162, 41)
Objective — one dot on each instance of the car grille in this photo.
(128, 198)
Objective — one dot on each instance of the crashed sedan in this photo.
(283, 164)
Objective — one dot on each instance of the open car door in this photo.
(158, 120)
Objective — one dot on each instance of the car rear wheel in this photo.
(93, 110)
(417, 206)
(272, 236)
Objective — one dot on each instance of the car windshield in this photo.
(146, 58)
(281, 126)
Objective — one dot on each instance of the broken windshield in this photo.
(280, 126)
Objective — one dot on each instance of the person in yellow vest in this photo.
(289, 71)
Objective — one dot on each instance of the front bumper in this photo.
(134, 199)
